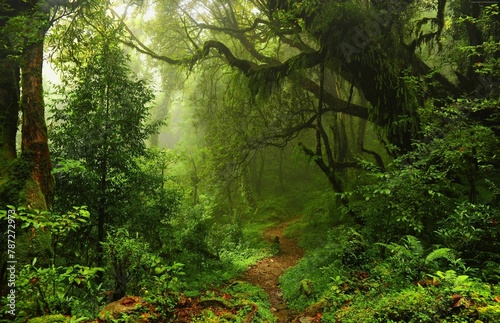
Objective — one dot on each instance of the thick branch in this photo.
(256, 22)
(322, 164)
(244, 66)
(251, 49)
(335, 104)
(378, 158)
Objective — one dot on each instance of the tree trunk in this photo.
(9, 111)
(40, 187)
(246, 190)
(260, 175)
(195, 181)
(281, 171)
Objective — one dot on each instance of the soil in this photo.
(266, 272)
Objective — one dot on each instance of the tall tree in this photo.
(23, 27)
(100, 128)
(34, 143)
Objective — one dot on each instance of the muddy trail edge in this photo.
(266, 272)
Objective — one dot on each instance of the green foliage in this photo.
(125, 258)
(58, 224)
(57, 290)
(164, 286)
(405, 201)
(103, 113)
(471, 229)
(403, 282)
(306, 282)
(101, 118)
(442, 194)
(320, 211)
(246, 294)
(377, 296)
(485, 54)
(47, 287)
(131, 267)
(43, 231)
(410, 261)
(22, 28)
(444, 190)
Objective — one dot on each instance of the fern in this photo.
(410, 259)
(411, 248)
(440, 253)
(414, 246)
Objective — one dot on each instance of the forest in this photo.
(250, 161)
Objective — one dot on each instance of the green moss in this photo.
(490, 313)
(14, 182)
(57, 318)
(30, 246)
(5, 161)
(17, 187)
(33, 195)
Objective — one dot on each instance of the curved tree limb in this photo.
(256, 23)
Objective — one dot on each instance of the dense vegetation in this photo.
(179, 131)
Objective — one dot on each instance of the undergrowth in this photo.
(238, 302)
(348, 281)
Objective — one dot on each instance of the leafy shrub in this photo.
(66, 290)
(125, 262)
(471, 230)
(407, 200)
(409, 260)
(132, 268)
(163, 289)
(43, 232)
(43, 286)
(392, 284)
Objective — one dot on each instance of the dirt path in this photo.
(267, 271)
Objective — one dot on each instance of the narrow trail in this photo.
(266, 272)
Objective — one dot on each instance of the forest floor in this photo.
(266, 272)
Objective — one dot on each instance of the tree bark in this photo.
(35, 147)
(195, 180)
(246, 190)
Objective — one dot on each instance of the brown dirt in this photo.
(266, 272)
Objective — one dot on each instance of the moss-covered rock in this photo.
(128, 305)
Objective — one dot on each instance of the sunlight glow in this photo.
(147, 13)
